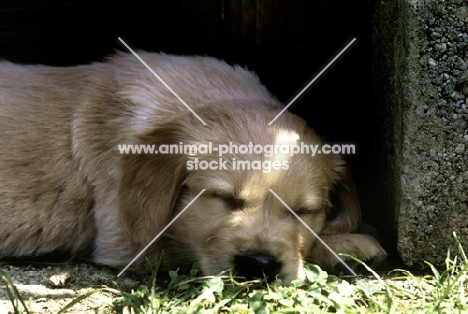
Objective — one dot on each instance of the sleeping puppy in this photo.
(68, 185)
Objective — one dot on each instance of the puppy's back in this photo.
(44, 200)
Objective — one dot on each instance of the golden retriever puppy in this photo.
(67, 186)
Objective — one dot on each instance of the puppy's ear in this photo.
(345, 215)
(149, 187)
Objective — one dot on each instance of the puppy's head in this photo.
(243, 220)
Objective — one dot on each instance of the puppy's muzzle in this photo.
(256, 265)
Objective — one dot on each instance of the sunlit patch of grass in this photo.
(400, 291)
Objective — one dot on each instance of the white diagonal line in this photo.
(162, 231)
(313, 232)
(164, 83)
(315, 78)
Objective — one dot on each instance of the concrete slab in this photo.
(421, 89)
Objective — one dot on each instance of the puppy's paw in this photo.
(362, 246)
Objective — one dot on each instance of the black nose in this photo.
(256, 265)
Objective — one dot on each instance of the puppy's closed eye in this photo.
(304, 211)
(231, 201)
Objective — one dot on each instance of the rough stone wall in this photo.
(421, 89)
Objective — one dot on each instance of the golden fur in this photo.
(65, 187)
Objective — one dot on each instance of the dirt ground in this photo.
(49, 287)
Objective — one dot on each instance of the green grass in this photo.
(400, 291)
